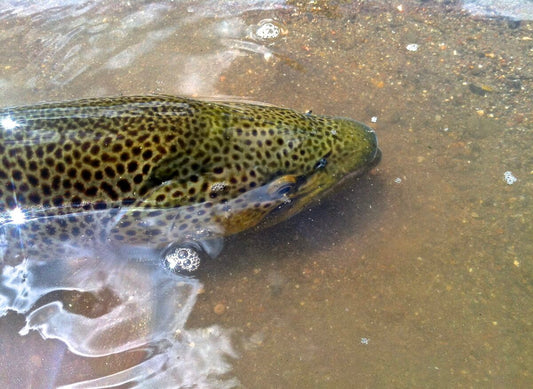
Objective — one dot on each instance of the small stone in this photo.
(219, 309)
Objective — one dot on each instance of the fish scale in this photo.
(153, 171)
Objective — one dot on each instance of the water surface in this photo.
(417, 275)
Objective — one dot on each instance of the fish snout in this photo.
(376, 159)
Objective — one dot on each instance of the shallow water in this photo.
(417, 275)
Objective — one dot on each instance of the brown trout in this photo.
(166, 174)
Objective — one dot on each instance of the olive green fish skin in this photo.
(164, 169)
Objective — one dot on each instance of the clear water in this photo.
(417, 275)
(512, 9)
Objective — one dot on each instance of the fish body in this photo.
(156, 171)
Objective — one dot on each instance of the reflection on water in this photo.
(512, 9)
(148, 311)
(91, 43)
(98, 303)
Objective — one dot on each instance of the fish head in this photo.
(348, 149)
(304, 161)
(337, 149)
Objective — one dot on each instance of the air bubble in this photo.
(509, 178)
(182, 259)
(268, 29)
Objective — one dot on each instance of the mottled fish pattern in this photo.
(150, 171)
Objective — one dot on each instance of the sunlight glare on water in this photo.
(68, 44)
(152, 307)
(91, 46)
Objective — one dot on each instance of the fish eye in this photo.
(322, 162)
(285, 189)
(283, 186)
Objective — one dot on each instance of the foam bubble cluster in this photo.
(268, 29)
(183, 259)
(509, 178)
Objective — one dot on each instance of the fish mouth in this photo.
(371, 163)
(376, 159)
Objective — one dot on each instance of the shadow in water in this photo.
(347, 213)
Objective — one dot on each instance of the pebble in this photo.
(219, 309)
